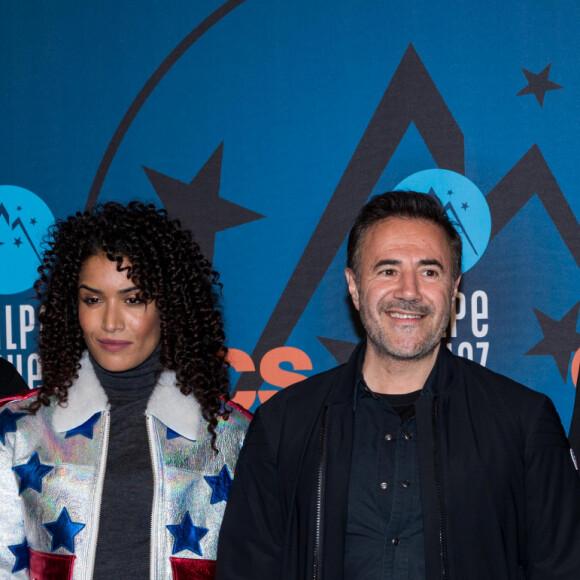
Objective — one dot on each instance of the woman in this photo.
(119, 466)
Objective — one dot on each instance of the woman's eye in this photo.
(90, 300)
(133, 301)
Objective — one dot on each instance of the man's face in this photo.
(405, 288)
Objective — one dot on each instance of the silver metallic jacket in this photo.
(52, 468)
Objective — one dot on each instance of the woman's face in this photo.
(120, 330)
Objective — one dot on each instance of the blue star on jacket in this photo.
(86, 429)
(171, 434)
(220, 485)
(31, 474)
(187, 536)
(22, 556)
(63, 532)
(8, 423)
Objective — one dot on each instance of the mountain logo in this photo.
(465, 205)
(24, 220)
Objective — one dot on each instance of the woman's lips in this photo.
(113, 345)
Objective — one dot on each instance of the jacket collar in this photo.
(440, 378)
(86, 397)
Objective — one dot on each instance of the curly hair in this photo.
(167, 266)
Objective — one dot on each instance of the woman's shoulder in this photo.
(238, 417)
(20, 401)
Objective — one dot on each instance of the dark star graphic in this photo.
(33, 221)
(63, 532)
(173, 57)
(449, 192)
(464, 205)
(8, 423)
(560, 338)
(31, 474)
(86, 429)
(22, 556)
(339, 349)
(198, 203)
(539, 84)
(220, 485)
(187, 536)
(19, 208)
(17, 242)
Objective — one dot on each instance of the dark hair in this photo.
(402, 204)
(167, 266)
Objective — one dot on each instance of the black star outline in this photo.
(17, 242)
(198, 203)
(33, 222)
(539, 84)
(449, 192)
(465, 206)
(560, 338)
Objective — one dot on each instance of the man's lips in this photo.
(405, 315)
(113, 345)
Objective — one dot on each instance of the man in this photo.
(407, 462)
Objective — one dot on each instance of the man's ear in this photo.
(352, 286)
(456, 287)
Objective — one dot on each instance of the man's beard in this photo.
(386, 346)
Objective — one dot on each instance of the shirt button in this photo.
(408, 436)
(384, 485)
(406, 483)
(388, 436)
(395, 541)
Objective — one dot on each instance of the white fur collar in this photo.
(181, 413)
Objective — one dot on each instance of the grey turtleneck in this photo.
(125, 523)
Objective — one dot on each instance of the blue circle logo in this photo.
(466, 207)
(24, 221)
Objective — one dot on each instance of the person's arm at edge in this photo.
(11, 517)
(552, 502)
(11, 383)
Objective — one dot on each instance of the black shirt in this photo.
(384, 533)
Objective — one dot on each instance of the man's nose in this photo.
(408, 287)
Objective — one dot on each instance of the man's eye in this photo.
(430, 273)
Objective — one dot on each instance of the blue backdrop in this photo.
(265, 125)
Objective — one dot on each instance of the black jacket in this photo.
(500, 495)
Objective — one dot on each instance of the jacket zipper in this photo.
(318, 532)
(99, 496)
(440, 504)
(155, 507)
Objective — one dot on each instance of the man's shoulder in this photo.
(474, 375)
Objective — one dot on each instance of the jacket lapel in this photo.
(86, 397)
